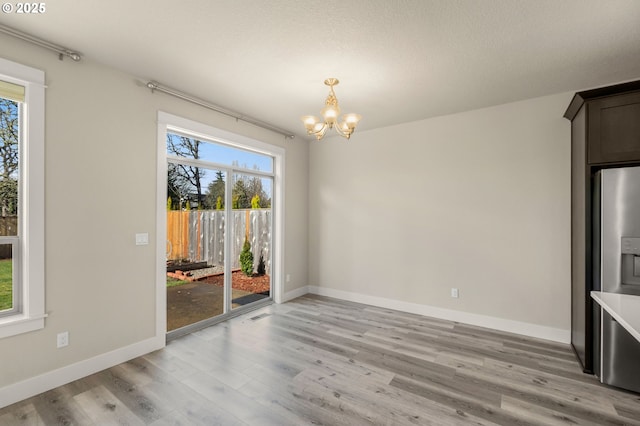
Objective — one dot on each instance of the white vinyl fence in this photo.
(198, 236)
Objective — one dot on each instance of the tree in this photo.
(215, 191)
(177, 188)
(245, 189)
(187, 178)
(241, 197)
(254, 188)
(246, 258)
(9, 160)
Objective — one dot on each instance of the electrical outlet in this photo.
(454, 293)
(63, 339)
(288, 277)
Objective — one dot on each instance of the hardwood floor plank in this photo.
(548, 384)
(539, 414)
(629, 411)
(22, 415)
(333, 322)
(319, 339)
(142, 404)
(554, 353)
(288, 400)
(197, 413)
(351, 401)
(464, 404)
(349, 367)
(232, 401)
(402, 407)
(57, 407)
(171, 365)
(103, 408)
(531, 389)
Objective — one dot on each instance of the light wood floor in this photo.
(322, 361)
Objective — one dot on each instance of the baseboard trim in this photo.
(290, 295)
(517, 327)
(35, 385)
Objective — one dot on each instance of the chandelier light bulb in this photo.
(351, 119)
(309, 121)
(330, 114)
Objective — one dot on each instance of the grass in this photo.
(6, 284)
(173, 282)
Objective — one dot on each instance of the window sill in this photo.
(18, 324)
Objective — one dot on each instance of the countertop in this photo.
(625, 308)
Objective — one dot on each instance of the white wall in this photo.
(479, 201)
(100, 190)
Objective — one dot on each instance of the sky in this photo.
(218, 153)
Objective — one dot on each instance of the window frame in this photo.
(30, 314)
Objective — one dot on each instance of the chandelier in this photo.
(330, 114)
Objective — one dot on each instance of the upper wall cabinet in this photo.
(613, 122)
(614, 129)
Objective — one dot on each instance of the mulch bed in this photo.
(215, 275)
(239, 281)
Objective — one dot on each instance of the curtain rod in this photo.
(60, 50)
(154, 85)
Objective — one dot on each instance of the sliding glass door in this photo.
(219, 231)
(195, 249)
(251, 277)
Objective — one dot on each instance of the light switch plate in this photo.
(142, 239)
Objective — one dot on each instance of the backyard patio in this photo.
(192, 301)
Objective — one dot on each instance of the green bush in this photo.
(255, 202)
(246, 259)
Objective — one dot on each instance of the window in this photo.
(21, 199)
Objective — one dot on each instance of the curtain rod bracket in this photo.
(60, 50)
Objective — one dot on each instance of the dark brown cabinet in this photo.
(614, 129)
(605, 132)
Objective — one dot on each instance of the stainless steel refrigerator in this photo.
(617, 246)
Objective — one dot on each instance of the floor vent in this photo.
(257, 317)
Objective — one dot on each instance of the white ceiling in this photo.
(397, 60)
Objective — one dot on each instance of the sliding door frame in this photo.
(174, 124)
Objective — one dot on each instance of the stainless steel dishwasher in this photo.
(620, 362)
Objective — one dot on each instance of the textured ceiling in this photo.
(397, 60)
